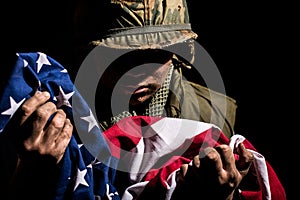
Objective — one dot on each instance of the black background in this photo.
(251, 43)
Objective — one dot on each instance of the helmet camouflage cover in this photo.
(142, 24)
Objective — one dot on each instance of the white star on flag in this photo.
(42, 60)
(25, 63)
(91, 120)
(13, 107)
(62, 98)
(80, 178)
(64, 71)
(89, 166)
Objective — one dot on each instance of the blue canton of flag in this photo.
(83, 175)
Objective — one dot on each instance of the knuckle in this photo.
(68, 135)
(64, 136)
(213, 156)
(196, 161)
(69, 125)
(224, 148)
(59, 120)
(247, 157)
(67, 131)
(50, 105)
(61, 112)
(41, 113)
(251, 156)
(42, 151)
(41, 96)
(26, 109)
(27, 146)
(45, 110)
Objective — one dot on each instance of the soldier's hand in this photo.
(41, 128)
(215, 174)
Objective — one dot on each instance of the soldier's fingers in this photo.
(196, 161)
(245, 159)
(227, 157)
(31, 104)
(211, 160)
(33, 128)
(63, 139)
(41, 116)
(55, 125)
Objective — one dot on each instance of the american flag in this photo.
(150, 150)
(35, 71)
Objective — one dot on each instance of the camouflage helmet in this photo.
(147, 24)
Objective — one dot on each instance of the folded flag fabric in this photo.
(147, 151)
(154, 148)
(82, 175)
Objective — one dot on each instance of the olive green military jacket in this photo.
(189, 100)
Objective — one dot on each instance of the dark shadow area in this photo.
(250, 44)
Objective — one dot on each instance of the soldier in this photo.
(147, 80)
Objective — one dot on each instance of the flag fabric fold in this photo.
(161, 145)
(82, 175)
(148, 151)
